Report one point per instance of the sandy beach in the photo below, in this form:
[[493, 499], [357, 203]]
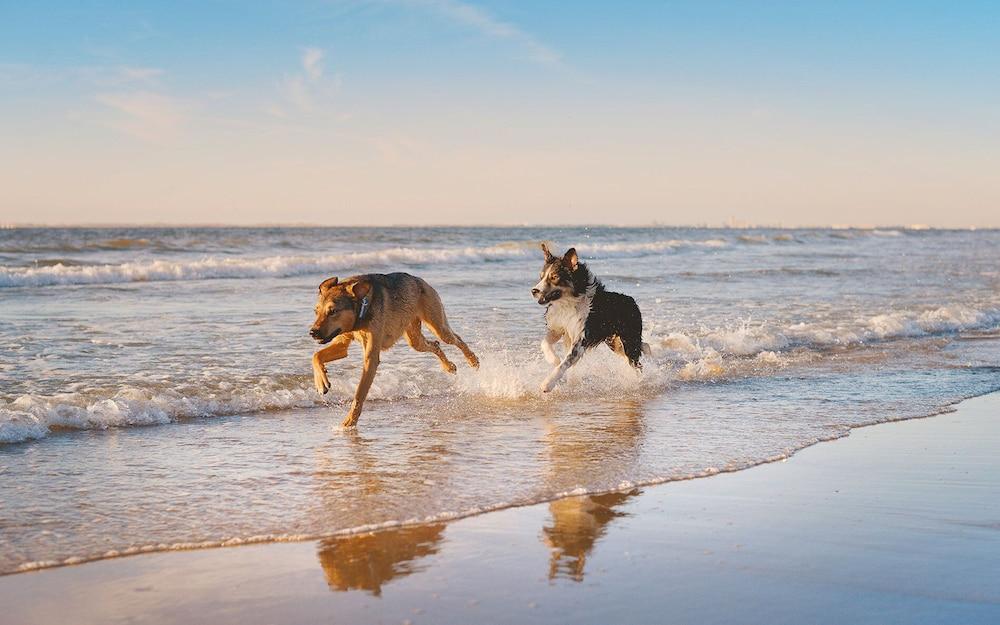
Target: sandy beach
[[896, 523]]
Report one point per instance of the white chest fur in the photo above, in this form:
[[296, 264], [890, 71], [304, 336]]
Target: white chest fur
[[569, 315]]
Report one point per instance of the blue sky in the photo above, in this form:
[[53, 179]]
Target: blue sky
[[444, 111]]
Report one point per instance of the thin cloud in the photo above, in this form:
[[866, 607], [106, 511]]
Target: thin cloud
[[298, 93], [145, 115], [307, 90], [312, 62], [483, 21], [95, 75], [139, 74]]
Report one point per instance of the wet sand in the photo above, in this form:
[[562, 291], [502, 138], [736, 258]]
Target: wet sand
[[897, 523]]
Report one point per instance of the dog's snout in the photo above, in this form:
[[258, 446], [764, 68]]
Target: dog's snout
[[314, 332], [535, 292]]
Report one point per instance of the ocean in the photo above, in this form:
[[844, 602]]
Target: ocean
[[156, 390]]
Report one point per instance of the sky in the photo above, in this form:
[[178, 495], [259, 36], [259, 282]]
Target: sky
[[543, 112]]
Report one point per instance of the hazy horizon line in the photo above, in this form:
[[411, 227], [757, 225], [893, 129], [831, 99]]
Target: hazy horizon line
[[702, 226]]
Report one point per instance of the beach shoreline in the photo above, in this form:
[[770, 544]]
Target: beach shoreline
[[451, 517], [786, 541]]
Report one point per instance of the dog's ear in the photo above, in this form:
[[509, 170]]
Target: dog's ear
[[570, 259], [548, 255], [326, 284], [359, 289]]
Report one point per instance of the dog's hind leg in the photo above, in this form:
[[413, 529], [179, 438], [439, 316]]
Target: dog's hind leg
[[447, 335], [632, 349], [629, 352], [336, 350], [615, 343], [418, 342], [432, 313]]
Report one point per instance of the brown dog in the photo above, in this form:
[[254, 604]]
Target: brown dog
[[377, 309]]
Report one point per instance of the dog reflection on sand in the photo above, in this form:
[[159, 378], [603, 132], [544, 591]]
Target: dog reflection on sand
[[368, 561], [577, 524], [371, 560], [581, 444]]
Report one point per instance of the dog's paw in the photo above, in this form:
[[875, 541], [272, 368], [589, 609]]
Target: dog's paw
[[548, 385], [449, 367], [350, 421], [473, 361], [321, 380]]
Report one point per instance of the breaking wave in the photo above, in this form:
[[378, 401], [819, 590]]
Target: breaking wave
[[31, 417], [729, 352], [78, 246], [747, 339], [284, 266], [502, 376]]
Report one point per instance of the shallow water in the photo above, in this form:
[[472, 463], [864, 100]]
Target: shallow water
[[763, 341], [814, 540]]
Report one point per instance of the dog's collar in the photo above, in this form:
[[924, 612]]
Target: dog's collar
[[362, 312]]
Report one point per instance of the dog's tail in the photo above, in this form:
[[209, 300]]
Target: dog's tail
[[646, 349]]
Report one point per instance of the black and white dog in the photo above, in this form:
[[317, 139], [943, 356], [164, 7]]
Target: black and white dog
[[583, 314]]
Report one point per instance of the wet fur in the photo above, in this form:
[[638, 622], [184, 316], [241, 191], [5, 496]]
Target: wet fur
[[398, 304], [583, 314]]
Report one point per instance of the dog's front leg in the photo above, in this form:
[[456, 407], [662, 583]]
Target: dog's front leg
[[334, 351], [551, 337], [574, 355], [367, 375]]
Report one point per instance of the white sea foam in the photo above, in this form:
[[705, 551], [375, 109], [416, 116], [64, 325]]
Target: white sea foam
[[31, 417], [747, 339], [709, 354], [758, 239], [502, 376], [283, 266], [748, 349]]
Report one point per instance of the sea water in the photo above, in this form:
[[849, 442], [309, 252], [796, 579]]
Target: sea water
[[156, 390]]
